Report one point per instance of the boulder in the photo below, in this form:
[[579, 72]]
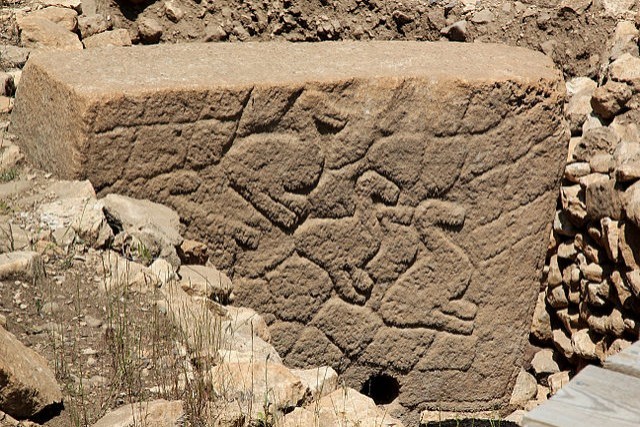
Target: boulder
[[28, 384], [330, 217], [40, 33]]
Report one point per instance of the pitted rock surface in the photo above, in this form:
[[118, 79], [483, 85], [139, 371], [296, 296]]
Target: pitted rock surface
[[386, 204]]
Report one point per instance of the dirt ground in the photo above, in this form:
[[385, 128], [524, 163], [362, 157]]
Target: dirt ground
[[574, 37]]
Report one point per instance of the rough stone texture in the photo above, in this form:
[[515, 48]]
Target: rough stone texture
[[157, 413], [108, 38], [27, 384], [386, 205]]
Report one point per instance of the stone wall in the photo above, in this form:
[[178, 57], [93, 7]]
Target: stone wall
[[588, 306], [385, 205]]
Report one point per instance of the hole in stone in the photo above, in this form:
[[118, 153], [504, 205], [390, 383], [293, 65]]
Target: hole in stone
[[382, 388]]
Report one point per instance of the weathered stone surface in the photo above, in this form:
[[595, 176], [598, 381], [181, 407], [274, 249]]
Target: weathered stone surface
[[205, 281], [41, 33], [156, 413], [357, 203], [579, 91], [343, 407], [27, 384], [157, 227], [319, 381], [92, 24], [118, 37], [544, 362], [65, 17], [254, 383], [75, 214], [525, 389], [23, 265], [610, 99]]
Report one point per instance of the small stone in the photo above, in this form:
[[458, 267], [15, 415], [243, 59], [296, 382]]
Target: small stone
[[172, 11], [21, 265], [193, 252], [50, 308], [617, 346], [574, 171], [65, 17], [118, 37], [624, 40], [569, 320], [41, 33], [584, 345], [483, 17], [563, 343], [92, 322], [573, 143], [71, 4], [544, 362], [603, 200], [525, 388], [629, 244], [14, 56], [631, 201], [625, 69], [456, 32], [6, 104], [576, 6], [541, 326], [155, 226], [633, 279], [623, 291], [205, 281], [592, 122], [214, 33], [602, 163], [618, 8], [557, 381], [154, 413], [592, 272], [557, 298], [578, 106], [149, 30], [93, 24], [610, 99], [319, 381], [516, 416], [567, 250], [593, 178], [562, 225], [600, 140]]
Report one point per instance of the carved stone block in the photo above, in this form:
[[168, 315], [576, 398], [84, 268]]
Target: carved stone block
[[386, 204]]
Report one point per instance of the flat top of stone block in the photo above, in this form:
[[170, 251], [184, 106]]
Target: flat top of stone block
[[196, 65]]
